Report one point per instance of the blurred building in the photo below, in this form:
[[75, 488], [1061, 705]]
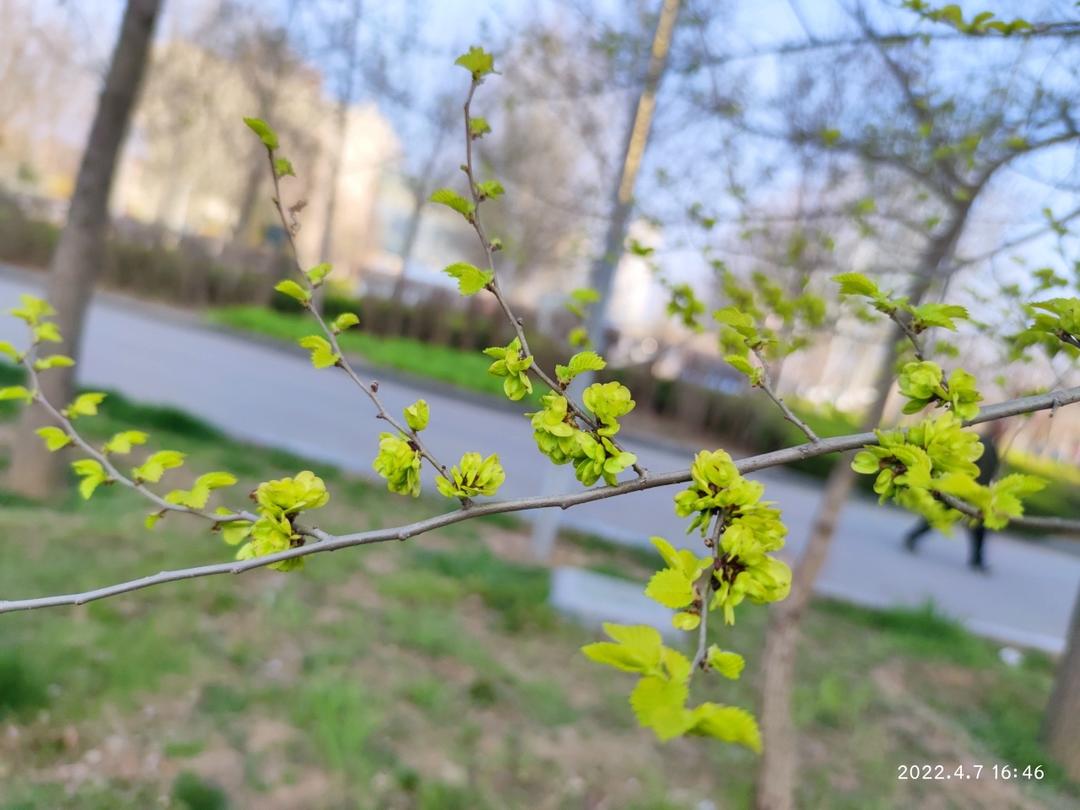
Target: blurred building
[[193, 167]]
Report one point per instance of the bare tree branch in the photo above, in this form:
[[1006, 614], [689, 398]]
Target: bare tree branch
[[839, 444]]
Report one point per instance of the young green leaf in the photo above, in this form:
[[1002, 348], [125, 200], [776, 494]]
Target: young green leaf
[[293, 290], [579, 364], [728, 664], [46, 332], [84, 405], [123, 442], [10, 351], [940, 315], [17, 392], [53, 361], [856, 284], [343, 322], [264, 131], [479, 127], [317, 274], [490, 188], [417, 415], [477, 61], [670, 588], [92, 475], [155, 466], [322, 353], [283, 167], [33, 309], [474, 475], [54, 437], [470, 279], [451, 199], [199, 494]]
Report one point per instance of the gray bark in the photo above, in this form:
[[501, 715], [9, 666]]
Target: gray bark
[[76, 264]]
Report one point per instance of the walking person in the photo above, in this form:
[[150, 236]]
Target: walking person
[[988, 464]]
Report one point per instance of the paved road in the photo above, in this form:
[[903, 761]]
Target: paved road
[[262, 394]]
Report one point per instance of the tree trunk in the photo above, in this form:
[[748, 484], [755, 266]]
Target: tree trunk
[[412, 230], [250, 197], [326, 241], [602, 272], [777, 772], [1061, 726], [77, 261]]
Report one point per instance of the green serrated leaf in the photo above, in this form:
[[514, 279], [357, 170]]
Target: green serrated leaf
[[54, 437], [579, 364], [322, 353], [470, 279], [477, 61], [84, 405], [92, 475], [123, 442], [451, 199], [856, 284], [728, 664], [671, 588], [155, 466]]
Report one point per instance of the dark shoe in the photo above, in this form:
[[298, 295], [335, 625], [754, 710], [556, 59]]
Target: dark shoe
[[979, 568], [909, 544]]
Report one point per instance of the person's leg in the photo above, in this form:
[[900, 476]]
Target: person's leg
[[978, 540], [912, 537]]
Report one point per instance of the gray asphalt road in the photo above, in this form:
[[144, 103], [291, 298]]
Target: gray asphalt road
[[264, 395]]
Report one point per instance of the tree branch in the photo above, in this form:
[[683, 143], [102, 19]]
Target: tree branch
[[767, 386], [369, 389], [839, 444], [496, 290]]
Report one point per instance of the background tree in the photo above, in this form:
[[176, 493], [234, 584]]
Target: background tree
[[78, 256]]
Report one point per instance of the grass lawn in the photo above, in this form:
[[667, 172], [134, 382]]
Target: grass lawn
[[467, 370], [431, 675]]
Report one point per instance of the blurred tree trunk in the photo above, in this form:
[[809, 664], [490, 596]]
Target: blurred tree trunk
[[337, 159], [419, 187], [412, 230], [341, 133], [777, 771], [77, 260], [251, 194], [602, 272], [1061, 726]]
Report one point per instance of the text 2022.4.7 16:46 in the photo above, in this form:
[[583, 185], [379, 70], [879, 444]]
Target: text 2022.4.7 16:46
[[943, 772]]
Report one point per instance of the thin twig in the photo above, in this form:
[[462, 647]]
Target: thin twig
[[838, 444], [767, 386], [371, 388], [114, 474], [515, 321], [705, 590]]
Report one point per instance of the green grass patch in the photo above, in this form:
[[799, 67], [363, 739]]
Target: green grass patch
[[192, 792], [22, 688], [922, 632], [426, 674], [465, 370], [518, 593]]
